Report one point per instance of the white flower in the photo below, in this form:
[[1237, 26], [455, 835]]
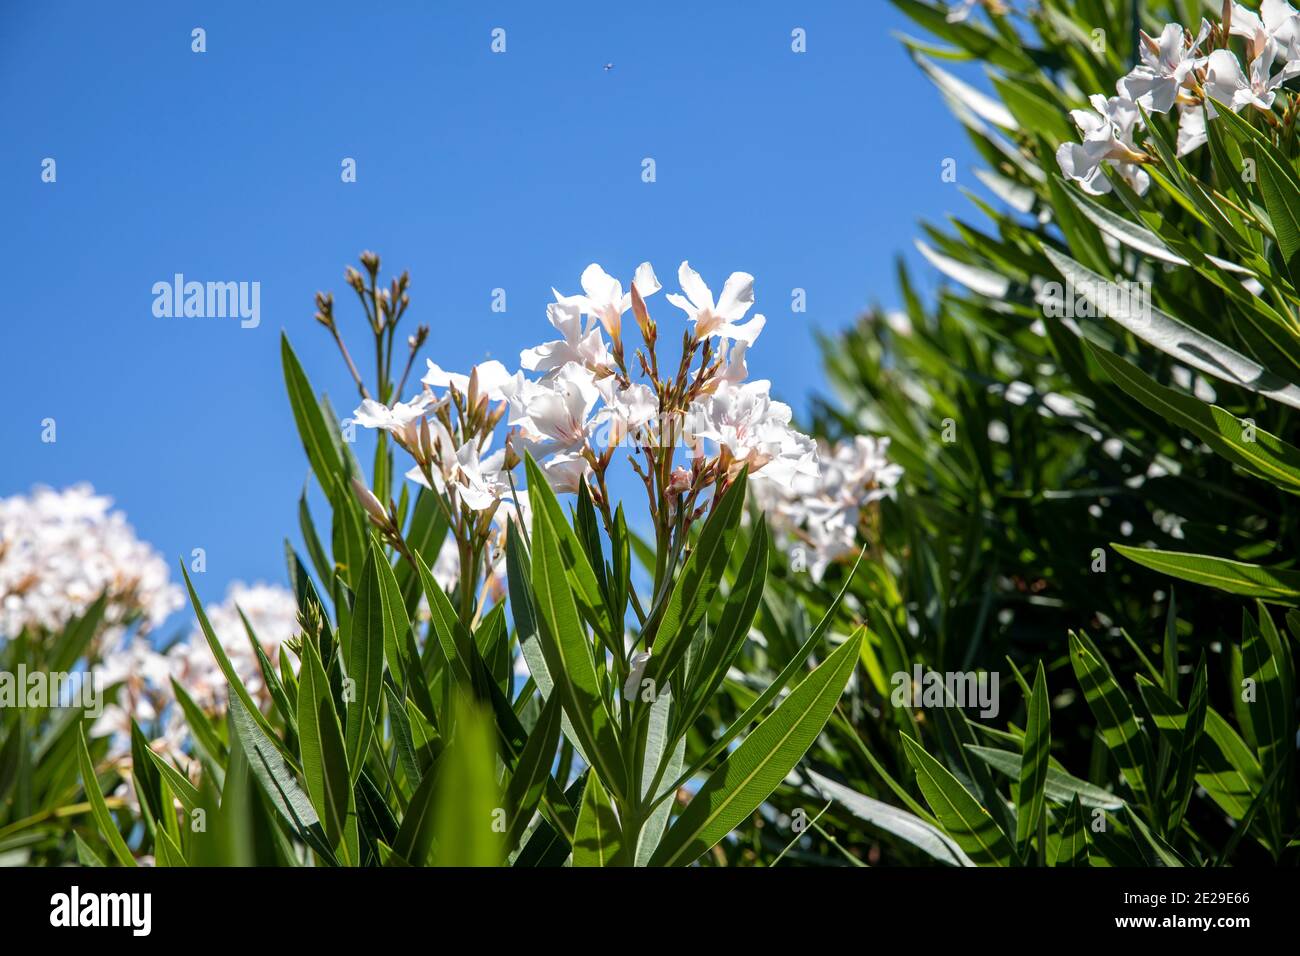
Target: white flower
[[718, 318], [755, 430], [479, 482], [1276, 20], [60, 550], [1107, 137], [626, 411], [585, 347], [1166, 68], [632, 686], [1191, 128], [555, 413], [605, 300], [398, 419], [491, 377], [1226, 83], [564, 473], [823, 511]]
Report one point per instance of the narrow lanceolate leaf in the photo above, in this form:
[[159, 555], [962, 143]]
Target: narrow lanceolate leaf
[[1264, 673], [324, 760], [228, 669], [1189, 747], [1033, 768], [1231, 775], [1174, 337], [1114, 715], [98, 807], [599, 840], [1254, 449], [906, 826], [724, 642], [958, 812], [373, 625], [753, 770], [587, 594], [696, 585], [1058, 786], [316, 437], [1275, 585], [1279, 186], [468, 823], [415, 836], [450, 633], [568, 655], [1073, 848], [532, 770], [278, 781], [1136, 237]]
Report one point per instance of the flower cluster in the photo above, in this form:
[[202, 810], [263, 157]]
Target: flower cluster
[[60, 550], [821, 517], [1188, 73], [579, 398]]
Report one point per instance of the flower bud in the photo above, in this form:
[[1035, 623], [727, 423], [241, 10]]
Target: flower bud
[[370, 503]]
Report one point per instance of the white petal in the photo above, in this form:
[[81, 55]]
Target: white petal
[[737, 296], [694, 287]]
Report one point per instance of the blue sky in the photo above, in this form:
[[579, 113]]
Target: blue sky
[[475, 171]]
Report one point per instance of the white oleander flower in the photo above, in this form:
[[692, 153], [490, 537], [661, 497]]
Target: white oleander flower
[[717, 318], [491, 378], [754, 430], [60, 550], [1166, 69], [555, 414], [1226, 83], [1277, 20], [583, 346], [604, 299], [1107, 138]]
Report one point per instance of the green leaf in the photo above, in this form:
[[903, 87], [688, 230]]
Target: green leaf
[[696, 585], [1236, 577], [452, 637], [568, 654], [960, 814], [1059, 786], [753, 770], [599, 839], [586, 591], [467, 829], [324, 758], [1174, 337], [532, 770], [374, 627], [1114, 714], [278, 780], [1263, 454], [227, 669], [723, 643], [906, 826], [1073, 848], [1232, 775], [415, 836], [317, 438], [98, 807], [1280, 188], [1037, 747]]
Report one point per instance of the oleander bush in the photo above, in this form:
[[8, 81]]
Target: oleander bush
[[1022, 594]]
